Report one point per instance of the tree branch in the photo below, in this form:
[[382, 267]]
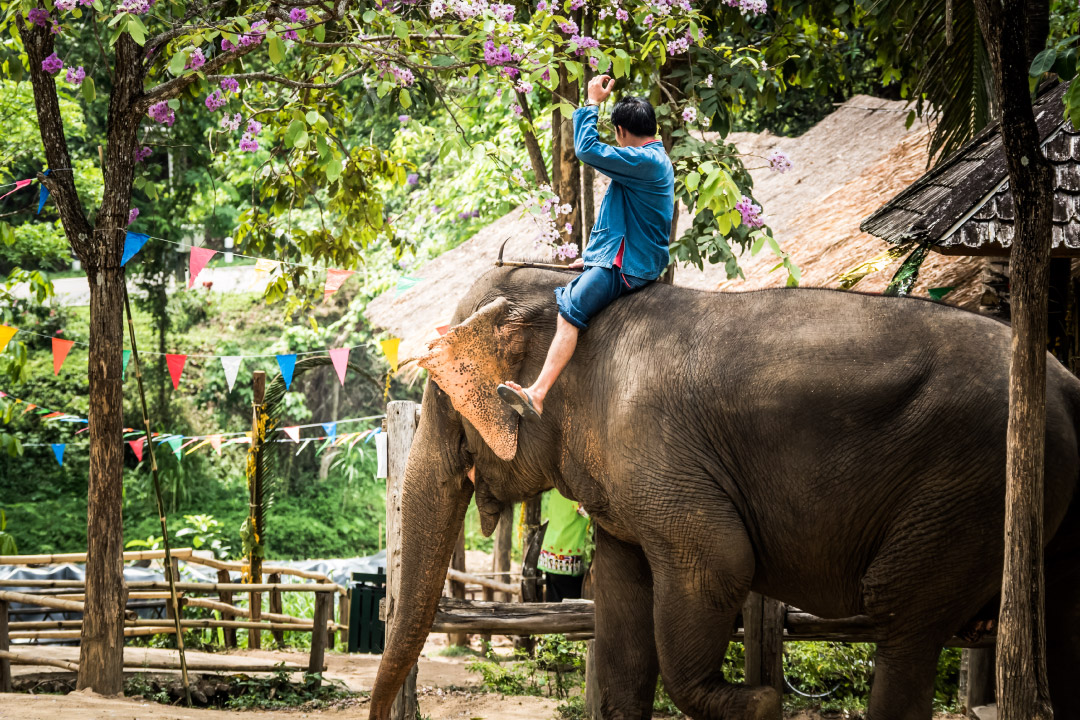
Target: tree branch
[[39, 45], [280, 80]]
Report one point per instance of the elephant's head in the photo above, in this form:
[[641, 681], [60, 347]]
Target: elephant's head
[[460, 410]]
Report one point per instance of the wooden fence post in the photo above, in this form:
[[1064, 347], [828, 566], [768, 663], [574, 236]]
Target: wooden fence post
[[457, 588], [763, 640], [344, 603], [323, 602], [275, 607], [504, 539], [226, 597], [401, 421], [5, 644]]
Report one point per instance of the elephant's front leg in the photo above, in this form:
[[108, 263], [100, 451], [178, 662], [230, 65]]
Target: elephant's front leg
[[702, 564], [624, 652]]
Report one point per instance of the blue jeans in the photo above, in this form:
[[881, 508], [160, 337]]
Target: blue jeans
[[592, 291]]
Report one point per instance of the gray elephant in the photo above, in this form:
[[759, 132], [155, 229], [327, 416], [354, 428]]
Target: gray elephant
[[843, 453]]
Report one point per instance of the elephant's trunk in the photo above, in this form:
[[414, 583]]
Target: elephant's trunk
[[434, 499]]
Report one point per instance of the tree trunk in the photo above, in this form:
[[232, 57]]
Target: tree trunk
[[1021, 641], [536, 155], [568, 175]]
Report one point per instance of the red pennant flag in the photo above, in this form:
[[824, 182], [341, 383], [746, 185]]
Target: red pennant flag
[[215, 442], [197, 261], [340, 358], [60, 349], [137, 447], [442, 329], [29, 407], [334, 279], [293, 432], [176, 368]]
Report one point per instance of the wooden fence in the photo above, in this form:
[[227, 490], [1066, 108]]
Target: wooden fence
[[763, 627]]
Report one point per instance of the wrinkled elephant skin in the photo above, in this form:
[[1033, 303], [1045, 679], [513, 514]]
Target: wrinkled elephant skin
[[843, 453]]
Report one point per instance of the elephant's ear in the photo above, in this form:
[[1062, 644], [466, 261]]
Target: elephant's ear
[[469, 362]]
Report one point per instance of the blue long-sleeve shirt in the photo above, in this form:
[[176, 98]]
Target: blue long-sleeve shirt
[[638, 205]]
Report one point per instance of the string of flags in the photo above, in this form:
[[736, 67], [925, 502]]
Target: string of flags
[[43, 193]]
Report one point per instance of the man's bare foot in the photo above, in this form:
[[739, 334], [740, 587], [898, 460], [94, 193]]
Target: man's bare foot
[[536, 398]]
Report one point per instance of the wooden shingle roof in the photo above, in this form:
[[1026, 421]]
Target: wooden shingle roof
[[963, 206]]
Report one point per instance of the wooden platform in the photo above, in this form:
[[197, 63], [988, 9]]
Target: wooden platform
[[139, 658]]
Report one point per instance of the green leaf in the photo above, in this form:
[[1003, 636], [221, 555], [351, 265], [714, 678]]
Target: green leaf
[[401, 30], [1072, 104], [1043, 62], [939, 292], [174, 104], [404, 99], [758, 244], [301, 140], [692, 180], [333, 169], [320, 32], [277, 50], [137, 30], [369, 16], [293, 131], [312, 117], [88, 90], [179, 60]]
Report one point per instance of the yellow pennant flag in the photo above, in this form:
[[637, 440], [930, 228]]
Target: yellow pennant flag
[[6, 333], [196, 447], [390, 350], [262, 268]]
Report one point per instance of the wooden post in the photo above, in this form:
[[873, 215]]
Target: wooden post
[[258, 430], [401, 421], [592, 683], [172, 570], [5, 644], [763, 639], [275, 607], [457, 588], [344, 603], [226, 597], [531, 589], [323, 602], [504, 539], [977, 678]]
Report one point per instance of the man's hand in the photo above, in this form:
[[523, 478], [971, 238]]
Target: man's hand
[[600, 88], [579, 263]]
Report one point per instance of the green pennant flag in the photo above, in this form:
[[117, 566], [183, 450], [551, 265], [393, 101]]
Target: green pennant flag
[[175, 443], [904, 279], [123, 373]]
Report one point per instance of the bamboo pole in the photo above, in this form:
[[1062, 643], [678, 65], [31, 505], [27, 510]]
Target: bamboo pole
[[171, 564], [196, 587], [53, 603], [495, 585], [255, 499], [23, 659], [226, 609], [5, 665], [148, 595], [58, 559], [266, 569], [75, 634]]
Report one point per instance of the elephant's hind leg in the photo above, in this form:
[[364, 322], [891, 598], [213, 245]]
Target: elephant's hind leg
[[1063, 641], [625, 652], [703, 564]]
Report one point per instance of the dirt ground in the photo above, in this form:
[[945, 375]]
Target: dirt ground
[[447, 690]]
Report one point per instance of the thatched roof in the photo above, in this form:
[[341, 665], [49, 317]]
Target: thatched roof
[[963, 206], [845, 166]]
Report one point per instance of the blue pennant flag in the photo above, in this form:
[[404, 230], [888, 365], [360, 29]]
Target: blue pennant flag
[[287, 363], [133, 243], [376, 432], [58, 451], [331, 430], [41, 203]]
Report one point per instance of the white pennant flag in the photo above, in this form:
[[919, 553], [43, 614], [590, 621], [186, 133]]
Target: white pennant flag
[[231, 365]]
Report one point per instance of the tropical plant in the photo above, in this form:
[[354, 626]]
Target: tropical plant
[[7, 540]]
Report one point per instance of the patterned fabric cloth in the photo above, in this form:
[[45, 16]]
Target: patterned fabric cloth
[[563, 551]]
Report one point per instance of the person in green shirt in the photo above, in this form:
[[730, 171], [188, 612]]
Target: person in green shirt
[[562, 556]]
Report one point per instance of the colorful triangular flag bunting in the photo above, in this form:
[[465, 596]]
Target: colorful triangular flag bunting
[[58, 451], [42, 197], [175, 442], [340, 358], [19, 185], [127, 357], [231, 365], [390, 350], [287, 363], [293, 431], [442, 329], [60, 350], [137, 446], [334, 279], [197, 261], [176, 368], [133, 243], [331, 430], [215, 442], [6, 333], [406, 283]]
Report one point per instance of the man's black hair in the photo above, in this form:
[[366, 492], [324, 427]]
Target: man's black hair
[[635, 116]]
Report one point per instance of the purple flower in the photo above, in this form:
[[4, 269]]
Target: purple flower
[[413, 179], [195, 60], [143, 153], [751, 213], [709, 81], [162, 113], [132, 214], [75, 77], [524, 87], [65, 5], [678, 46], [541, 6], [779, 161], [518, 110], [256, 36], [231, 124], [511, 72], [584, 42], [52, 64], [230, 85], [751, 7], [647, 22], [569, 228], [138, 7], [227, 46], [298, 15], [403, 119], [248, 143], [404, 76], [546, 77], [689, 115], [566, 251], [577, 4], [38, 16], [569, 27], [505, 11], [594, 62], [254, 127], [290, 35], [621, 15], [215, 101]]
